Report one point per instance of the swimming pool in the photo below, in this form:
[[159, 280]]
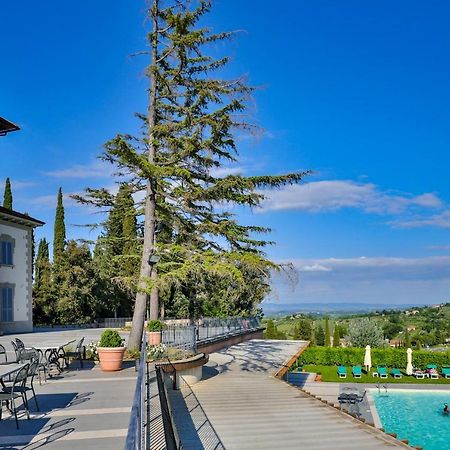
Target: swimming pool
[[416, 415]]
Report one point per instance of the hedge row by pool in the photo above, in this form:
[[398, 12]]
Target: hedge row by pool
[[330, 356]]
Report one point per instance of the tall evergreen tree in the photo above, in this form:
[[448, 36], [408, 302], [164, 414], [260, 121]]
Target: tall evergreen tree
[[59, 239], [327, 332], [319, 335], [7, 196], [44, 300], [407, 339], [336, 336], [190, 127]]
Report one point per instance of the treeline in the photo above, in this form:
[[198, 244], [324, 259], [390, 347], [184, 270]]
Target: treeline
[[81, 282]]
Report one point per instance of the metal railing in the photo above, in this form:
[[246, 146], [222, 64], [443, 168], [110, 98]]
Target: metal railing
[[172, 439], [186, 337], [209, 328], [138, 436]]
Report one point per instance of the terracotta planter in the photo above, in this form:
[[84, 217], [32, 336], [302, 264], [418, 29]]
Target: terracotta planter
[[154, 337], [318, 377], [110, 358]]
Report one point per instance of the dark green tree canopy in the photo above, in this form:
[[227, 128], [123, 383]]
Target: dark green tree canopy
[[59, 240]]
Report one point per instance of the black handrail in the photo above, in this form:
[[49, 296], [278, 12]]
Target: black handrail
[[137, 436]]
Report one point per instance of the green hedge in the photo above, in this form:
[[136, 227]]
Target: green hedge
[[330, 356]]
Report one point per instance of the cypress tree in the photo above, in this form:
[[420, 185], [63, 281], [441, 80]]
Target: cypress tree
[[7, 196], [407, 339], [327, 332], [59, 237], [44, 304], [319, 335], [336, 337]]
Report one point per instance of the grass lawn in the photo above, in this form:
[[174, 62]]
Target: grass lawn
[[329, 373]]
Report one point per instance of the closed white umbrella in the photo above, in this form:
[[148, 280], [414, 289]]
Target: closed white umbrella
[[409, 367], [367, 358]]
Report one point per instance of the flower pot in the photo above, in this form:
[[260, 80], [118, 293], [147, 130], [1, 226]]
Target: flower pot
[[318, 377], [110, 358], [154, 337]]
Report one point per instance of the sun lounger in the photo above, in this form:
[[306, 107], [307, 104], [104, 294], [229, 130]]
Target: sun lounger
[[381, 372], [396, 373], [356, 371], [342, 372], [446, 372], [432, 371], [419, 374]]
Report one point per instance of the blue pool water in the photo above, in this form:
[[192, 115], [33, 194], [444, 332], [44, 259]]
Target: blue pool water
[[416, 416]]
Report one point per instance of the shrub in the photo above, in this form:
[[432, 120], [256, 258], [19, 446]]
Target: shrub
[[365, 332], [155, 325], [323, 356], [110, 338]]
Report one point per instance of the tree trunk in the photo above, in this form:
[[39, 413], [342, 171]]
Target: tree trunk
[[154, 298], [150, 211]]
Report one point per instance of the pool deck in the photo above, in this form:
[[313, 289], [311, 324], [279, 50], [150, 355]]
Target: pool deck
[[241, 405], [84, 408]]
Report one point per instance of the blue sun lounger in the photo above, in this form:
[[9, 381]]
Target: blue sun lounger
[[396, 373], [342, 372], [381, 372], [446, 372], [356, 371]]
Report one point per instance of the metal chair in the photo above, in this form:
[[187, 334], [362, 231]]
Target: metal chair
[[19, 343], [31, 356], [9, 395], [79, 353], [16, 350], [3, 354]]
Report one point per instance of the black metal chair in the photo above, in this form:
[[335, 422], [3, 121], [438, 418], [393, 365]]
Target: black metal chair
[[31, 357], [79, 353], [3, 355], [19, 343], [16, 350], [10, 394]]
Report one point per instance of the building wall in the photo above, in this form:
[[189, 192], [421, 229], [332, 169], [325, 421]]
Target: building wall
[[20, 276]]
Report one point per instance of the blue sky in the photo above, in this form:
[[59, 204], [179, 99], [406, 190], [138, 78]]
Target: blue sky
[[356, 91]]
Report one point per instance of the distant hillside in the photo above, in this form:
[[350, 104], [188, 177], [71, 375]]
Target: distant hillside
[[283, 309]]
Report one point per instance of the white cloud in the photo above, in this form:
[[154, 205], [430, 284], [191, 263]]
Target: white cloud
[[333, 195], [225, 171], [369, 280], [96, 169], [441, 220]]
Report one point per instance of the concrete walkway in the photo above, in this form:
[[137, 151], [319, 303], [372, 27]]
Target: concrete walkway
[[240, 405], [84, 408]]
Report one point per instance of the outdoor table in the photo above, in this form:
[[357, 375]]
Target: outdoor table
[[51, 353]]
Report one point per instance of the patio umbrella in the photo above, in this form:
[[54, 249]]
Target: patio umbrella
[[409, 367], [367, 358]]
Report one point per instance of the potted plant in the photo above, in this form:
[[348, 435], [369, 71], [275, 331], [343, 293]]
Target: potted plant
[[154, 328], [110, 351], [318, 376]]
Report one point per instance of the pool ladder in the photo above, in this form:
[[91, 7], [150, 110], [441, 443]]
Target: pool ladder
[[379, 387]]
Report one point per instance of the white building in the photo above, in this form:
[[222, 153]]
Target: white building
[[16, 275]]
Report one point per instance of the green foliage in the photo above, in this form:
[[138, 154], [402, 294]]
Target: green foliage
[[327, 332], [391, 357], [319, 335], [303, 330], [7, 196], [391, 329], [272, 332], [407, 339], [155, 325], [59, 239], [210, 263], [44, 299], [336, 337], [80, 296], [110, 338], [364, 332]]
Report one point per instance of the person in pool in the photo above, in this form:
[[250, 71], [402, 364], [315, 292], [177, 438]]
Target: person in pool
[[446, 410]]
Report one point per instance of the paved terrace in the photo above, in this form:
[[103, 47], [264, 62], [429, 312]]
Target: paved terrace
[[240, 405], [79, 409]]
